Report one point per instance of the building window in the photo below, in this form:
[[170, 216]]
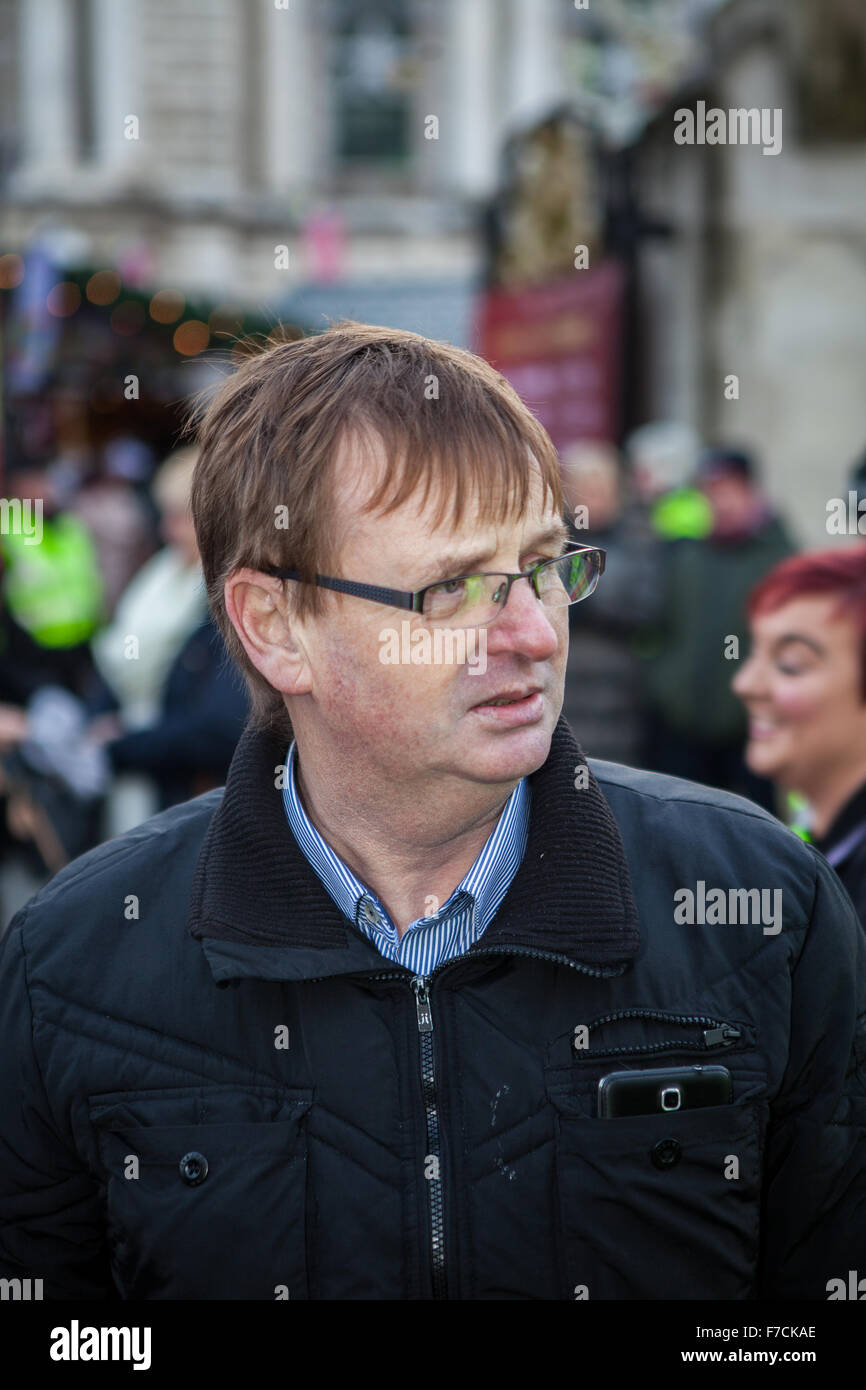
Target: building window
[[84, 79], [372, 69]]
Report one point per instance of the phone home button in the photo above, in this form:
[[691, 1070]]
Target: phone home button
[[667, 1153]]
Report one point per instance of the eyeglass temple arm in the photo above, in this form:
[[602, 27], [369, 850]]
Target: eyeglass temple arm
[[396, 598]]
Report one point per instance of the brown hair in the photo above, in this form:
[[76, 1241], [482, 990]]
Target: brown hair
[[269, 436]]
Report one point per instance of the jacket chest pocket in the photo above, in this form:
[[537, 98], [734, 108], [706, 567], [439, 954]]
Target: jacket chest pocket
[[660, 1206], [663, 1205], [206, 1191]]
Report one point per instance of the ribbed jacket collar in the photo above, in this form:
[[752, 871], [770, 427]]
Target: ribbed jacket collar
[[259, 908]]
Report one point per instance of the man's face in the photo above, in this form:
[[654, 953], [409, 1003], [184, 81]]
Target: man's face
[[732, 499], [427, 723]]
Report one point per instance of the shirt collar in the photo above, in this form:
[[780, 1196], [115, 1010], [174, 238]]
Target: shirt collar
[[484, 885], [261, 911]]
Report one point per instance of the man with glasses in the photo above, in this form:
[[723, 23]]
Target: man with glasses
[[422, 1005]]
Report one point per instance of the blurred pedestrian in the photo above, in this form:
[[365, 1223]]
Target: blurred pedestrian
[[804, 687], [187, 748], [697, 726], [604, 701], [116, 516], [52, 586], [662, 457], [159, 611]]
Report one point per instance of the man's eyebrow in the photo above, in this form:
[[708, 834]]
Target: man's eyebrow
[[457, 563]]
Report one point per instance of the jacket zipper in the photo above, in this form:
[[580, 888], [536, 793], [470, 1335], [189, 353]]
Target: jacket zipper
[[421, 986], [433, 1158], [716, 1032]]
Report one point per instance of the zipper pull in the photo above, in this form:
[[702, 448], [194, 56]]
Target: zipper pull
[[421, 987], [721, 1037]]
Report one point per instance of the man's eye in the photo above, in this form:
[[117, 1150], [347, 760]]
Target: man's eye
[[449, 586]]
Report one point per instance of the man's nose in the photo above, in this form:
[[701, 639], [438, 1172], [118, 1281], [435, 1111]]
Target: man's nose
[[524, 624]]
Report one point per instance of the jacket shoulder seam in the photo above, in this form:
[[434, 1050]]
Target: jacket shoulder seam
[[105, 856], [764, 816]]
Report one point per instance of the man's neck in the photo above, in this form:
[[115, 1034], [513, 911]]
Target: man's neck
[[410, 858]]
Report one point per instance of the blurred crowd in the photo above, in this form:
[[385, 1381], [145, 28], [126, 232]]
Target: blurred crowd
[[711, 650], [688, 532], [117, 698]]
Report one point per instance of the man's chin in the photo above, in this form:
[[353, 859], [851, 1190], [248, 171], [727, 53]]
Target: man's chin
[[500, 755]]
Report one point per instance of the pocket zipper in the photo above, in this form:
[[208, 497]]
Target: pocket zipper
[[716, 1033]]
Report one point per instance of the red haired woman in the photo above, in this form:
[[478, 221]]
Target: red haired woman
[[804, 687]]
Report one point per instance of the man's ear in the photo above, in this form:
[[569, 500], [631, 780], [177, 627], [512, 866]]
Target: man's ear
[[260, 614]]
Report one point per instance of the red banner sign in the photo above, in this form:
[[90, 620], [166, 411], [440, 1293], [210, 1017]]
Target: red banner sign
[[560, 346]]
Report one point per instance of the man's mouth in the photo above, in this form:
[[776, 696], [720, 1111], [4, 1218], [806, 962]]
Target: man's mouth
[[513, 707], [511, 697]]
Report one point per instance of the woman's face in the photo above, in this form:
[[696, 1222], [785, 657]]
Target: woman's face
[[801, 688]]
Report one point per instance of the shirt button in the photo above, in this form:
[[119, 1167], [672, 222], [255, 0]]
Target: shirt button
[[369, 913]]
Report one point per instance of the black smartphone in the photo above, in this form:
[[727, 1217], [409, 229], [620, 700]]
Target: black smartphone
[[662, 1090]]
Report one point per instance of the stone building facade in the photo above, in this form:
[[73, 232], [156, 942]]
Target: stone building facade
[[254, 115], [761, 273]]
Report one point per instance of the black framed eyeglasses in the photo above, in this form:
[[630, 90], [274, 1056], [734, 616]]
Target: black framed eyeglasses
[[475, 600]]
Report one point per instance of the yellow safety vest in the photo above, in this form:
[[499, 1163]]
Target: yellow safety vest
[[54, 589]]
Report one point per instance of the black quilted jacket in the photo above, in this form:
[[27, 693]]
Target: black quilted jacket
[[213, 1086]]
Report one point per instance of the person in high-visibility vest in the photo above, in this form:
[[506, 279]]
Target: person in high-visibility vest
[[662, 457], [52, 583]]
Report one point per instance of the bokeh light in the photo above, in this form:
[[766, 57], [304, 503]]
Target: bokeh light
[[191, 337], [63, 299], [103, 287], [11, 271], [167, 306]]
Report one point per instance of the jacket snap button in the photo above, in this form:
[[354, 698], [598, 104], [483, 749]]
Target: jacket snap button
[[667, 1153], [193, 1168]]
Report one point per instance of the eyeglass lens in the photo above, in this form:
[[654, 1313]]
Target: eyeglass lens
[[476, 599]]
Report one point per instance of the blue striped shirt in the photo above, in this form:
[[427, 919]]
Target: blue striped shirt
[[448, 931]]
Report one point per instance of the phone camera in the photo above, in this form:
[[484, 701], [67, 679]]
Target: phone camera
[[672, 1098]]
